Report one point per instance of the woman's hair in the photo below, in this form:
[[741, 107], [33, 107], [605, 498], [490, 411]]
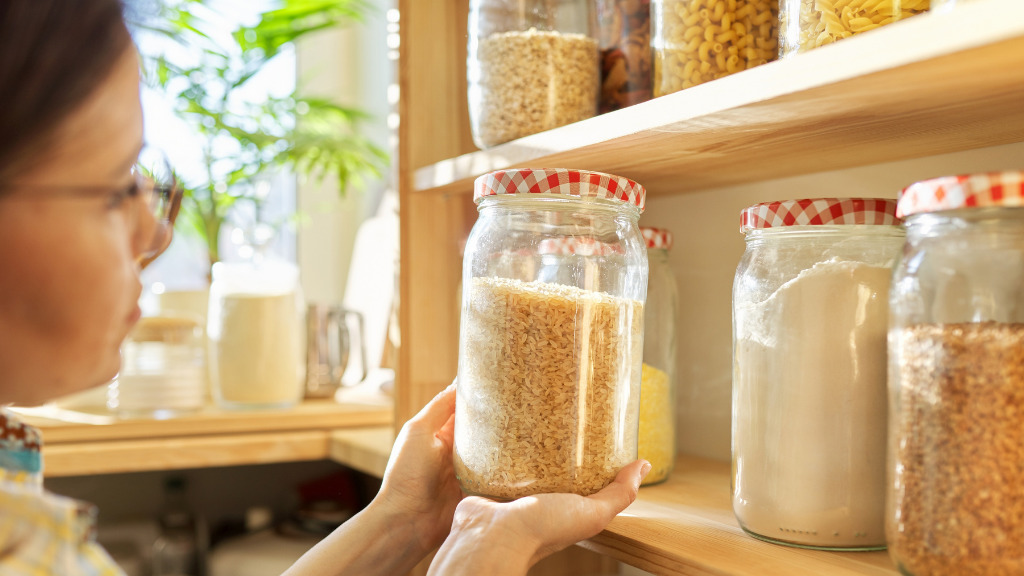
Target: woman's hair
[[53, 55]]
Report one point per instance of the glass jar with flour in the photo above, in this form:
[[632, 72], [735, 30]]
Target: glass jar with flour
[[255, 331], [810, 316]]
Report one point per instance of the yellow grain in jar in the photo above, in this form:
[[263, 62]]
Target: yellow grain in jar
[[656, 430]]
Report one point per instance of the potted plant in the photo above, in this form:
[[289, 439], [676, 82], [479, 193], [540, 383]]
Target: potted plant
[[244, 141]]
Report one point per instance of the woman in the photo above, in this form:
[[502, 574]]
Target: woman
[[76, 224]]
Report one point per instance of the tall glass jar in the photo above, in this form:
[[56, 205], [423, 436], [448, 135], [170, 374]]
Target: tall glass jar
[[810, 314], [658, 384], [532, 65], [255, 328], [807, 24], [549, 366], [956, 353], [696, 41]]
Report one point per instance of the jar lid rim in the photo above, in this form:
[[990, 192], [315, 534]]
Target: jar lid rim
[[560, 181], [659, 238], [963, 191], [820, 212]]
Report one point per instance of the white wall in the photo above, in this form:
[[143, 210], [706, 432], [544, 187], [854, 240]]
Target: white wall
[[351, 67], [708, 246]]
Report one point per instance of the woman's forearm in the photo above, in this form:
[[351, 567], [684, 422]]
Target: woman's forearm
[[479, 546], [375, 541]]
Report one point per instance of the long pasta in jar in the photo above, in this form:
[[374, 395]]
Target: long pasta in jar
[[808, 24], [696, 41]]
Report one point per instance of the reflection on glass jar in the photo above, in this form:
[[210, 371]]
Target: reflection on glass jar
[[810, 314]]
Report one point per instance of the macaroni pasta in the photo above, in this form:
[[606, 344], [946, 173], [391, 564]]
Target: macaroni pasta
[[696, 41]]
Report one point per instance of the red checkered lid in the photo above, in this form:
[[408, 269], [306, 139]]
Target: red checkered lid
[[580, 246], [657, 238], [819, 212], [966, 191], [581, 183]]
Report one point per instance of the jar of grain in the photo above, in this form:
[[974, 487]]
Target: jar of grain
[[810, 314], [956, 353], [696, 41], [550, 364], [532, 65], [807, 24], [657, 387]]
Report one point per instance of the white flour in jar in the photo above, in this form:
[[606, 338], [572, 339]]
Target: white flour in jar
[[255, 350], [810, 364]]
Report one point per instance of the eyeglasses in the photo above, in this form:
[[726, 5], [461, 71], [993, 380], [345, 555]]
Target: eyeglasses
[[153, 180], [154, 176]]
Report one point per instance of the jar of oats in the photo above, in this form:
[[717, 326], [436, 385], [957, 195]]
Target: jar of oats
[[956, 353], [696, 41], [807, 24], [532, 65], [810, 315], [550, 360]]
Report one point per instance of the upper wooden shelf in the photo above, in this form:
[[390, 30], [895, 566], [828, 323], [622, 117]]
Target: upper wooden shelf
[[686, 526], [932, 84], [78, 443]]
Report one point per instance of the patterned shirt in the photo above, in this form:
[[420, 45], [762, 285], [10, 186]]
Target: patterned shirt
[[42, 534]]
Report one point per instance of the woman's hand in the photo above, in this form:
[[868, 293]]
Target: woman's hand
[[501, 538], [419, 483], [411, 514]]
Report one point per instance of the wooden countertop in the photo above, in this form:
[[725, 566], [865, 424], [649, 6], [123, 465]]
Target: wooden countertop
[[80, 443]]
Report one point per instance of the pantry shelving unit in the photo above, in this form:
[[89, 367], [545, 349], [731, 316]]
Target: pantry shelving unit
[[933, 84]]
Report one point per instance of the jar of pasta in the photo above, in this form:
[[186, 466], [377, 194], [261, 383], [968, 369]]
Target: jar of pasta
[[532, 65], [657, 384], [808, 24], [956, 378], [810, 315], [695, 41], [550, 361]]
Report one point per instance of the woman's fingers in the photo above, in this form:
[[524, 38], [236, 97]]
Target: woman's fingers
[[615, 497], [436, 413]]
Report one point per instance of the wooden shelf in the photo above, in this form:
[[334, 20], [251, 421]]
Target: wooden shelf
[[686, 526], [363, 449], [78, 443], [935, 83]]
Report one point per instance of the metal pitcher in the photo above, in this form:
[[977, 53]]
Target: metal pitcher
[[328, 347]]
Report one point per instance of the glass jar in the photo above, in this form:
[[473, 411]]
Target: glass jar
[[625, 42], [162, 369], [549, 367], [532, 65], [810, 314], [807, 24], [256, 335], [657, 386], [696, 41], [956, 353]]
